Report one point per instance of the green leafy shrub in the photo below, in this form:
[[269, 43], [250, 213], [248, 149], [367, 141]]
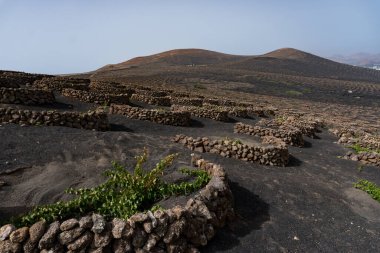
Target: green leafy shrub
[[121, 195], [369, 187], [293, 93], [359, 149], [199, 86]]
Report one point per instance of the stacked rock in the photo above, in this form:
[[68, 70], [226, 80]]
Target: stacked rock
[[58, 83], [291, 136], [91, 120], [13, 79], [186, 101], [175, 230], [109, 87], [371, 158], [174, 118], [201, 112], [26, 96], [264, 154], [159, 101], [97, 98]]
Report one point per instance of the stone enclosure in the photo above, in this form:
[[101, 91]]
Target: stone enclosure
[[91, 120], [179, 229], [174, 118], [26, 96], [275, 155]]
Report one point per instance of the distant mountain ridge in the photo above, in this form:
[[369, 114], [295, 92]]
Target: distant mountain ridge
[[285, 61], [358, 59]]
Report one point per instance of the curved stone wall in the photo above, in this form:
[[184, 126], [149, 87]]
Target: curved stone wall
[[371, 158], [201, 112], [14, 79], [97, 98], [186, 101], [26, 96], [233, 111], [173, 118], [180, 229], [58, 83], [109, 87], [159, 101], [90, 120], [263, 154], [289, 136]]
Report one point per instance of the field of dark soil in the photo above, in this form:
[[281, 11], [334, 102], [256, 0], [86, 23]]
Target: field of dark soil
[[308, 206]]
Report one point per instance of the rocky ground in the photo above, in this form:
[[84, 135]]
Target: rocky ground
[[308, 206]]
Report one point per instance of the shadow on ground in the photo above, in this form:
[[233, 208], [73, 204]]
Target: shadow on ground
[[251, 212]]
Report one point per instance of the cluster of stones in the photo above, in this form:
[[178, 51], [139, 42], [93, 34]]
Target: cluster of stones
[[109, 87], [288, 135], [26, 96], [177, 230], [92, 120], [349, 137], [202, 112], [353, 136], [174, 118], [186, 101], [233, 111], [307, 126], [97, 98], [159, 101], [372, 158], [58, 83], [13, 79], [274, 155]]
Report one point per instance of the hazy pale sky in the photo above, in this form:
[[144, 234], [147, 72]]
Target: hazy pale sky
[[52, 36]]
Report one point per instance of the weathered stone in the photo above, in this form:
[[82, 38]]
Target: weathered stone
[[99, 223], [139, 238], [37, 230], [175, 230], [81, 242], [69, 224], [122, 246], [118, 227], [19, 235], [6, 246], [102, 239], [5, 231], [48, 238], [66, 237], [86, 222]]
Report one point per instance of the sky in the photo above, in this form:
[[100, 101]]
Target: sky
[[72, 36]]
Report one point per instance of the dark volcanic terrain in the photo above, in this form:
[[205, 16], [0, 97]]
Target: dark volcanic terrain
[[310, 205]]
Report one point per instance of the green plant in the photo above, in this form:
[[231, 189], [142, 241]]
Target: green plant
[[359, 149], [369, 187], [121, 195], [293, 93]]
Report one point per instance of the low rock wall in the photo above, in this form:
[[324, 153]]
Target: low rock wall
[[26, 96], [97, 98], [180, 229], [201, 112], [90, 120], [152, 93], [186, 101], [109, 87], [233, 111], [160, 101], [263, 154], [364, 157], [58, 83], [13, 79], [289, 136], [173, 118]]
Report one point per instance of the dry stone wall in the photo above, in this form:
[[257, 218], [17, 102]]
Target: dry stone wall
[[109, 87], [233, 111], [173, 118], [97, 98], [289, 136], [13, 79], [58, 83], [26, 96], [159, 101], [91, 120], [370, 158], [186, 101], [180, 229], [263, 154], [201, 112]]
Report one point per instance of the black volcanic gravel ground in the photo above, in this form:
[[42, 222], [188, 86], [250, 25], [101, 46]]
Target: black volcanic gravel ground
[[309, 206]]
